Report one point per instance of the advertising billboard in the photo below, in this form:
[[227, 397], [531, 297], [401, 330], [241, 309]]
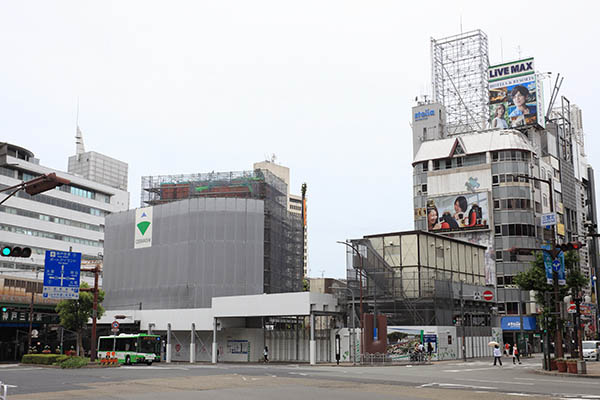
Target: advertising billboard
[[143, 228], [515, 100], [454, 213]]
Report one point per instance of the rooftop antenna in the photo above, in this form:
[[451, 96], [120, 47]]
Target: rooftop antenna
[[79, 148]]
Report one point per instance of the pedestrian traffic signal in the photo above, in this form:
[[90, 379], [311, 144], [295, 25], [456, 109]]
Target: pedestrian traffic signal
[[4, 309], [16, 251], [576, 245]]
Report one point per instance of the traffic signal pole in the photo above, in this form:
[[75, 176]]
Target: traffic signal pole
[[95, 290]]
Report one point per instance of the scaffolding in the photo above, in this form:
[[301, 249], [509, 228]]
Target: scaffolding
[[283, 251], [459, 76]]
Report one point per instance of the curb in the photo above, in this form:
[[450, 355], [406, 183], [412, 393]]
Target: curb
[[552, 373]]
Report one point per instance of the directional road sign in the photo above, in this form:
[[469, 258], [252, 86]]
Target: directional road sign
[[62, 271], [548, 219], [556, 265]]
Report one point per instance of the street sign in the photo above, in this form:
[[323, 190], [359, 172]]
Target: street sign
[[572, 309], [62, 271], [548, 219], [115, 325], [488, 295], [556, 265], [476, 296]]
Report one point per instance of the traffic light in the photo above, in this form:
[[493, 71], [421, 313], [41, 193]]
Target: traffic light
[[4, 309], [16, 251], [576, 245]]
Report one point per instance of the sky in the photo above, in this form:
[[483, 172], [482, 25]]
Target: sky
[[177, 87]]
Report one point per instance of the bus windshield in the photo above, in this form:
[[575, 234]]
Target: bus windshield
[[150, 344]]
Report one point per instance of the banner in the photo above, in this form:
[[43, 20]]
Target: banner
[[462, 212], [143, 228], [552, 265], [515, 100]]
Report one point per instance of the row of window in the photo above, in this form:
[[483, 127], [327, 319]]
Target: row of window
[[512, 204], [49, 218], [42, 198], [519, 255], [510, 155], [49, 235], [455, 162], [507, 178], [88, 194], [514, 230]]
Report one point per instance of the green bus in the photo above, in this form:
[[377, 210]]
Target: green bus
[[131, 348]]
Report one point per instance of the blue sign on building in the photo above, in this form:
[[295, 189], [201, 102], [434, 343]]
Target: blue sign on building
[[514, 323], [62, 271]]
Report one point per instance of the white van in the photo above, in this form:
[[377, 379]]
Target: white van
[[591, 350]]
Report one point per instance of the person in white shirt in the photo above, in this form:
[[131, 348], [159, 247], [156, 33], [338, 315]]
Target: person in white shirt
[[497, 355]]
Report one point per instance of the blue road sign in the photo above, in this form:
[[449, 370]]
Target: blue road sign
[[62, 271], [556, 265]]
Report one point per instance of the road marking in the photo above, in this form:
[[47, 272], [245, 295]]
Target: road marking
[[140, 368], [244, 378], [558, 380], [457, 385], [8, 365], [297, 373], [520, 394], [505, 382]]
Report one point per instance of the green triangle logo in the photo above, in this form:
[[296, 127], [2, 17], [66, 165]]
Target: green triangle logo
[[143, 227]]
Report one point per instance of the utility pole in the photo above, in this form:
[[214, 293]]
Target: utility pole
[[95, 290], [558, 343]]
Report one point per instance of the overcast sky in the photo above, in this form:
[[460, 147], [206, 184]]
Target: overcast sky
[[327, 86]]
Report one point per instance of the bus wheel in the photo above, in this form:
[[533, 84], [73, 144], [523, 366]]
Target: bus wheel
[[149, 362], [127, 360]]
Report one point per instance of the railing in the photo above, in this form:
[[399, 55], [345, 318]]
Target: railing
[[385, 359]]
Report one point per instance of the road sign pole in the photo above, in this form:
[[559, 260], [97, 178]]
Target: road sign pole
[[96, 271]]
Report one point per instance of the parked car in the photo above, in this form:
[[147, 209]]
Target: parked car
[[591, 350]]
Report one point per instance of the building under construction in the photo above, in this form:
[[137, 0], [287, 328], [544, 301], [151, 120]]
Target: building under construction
[[283, 252], [419, 278]]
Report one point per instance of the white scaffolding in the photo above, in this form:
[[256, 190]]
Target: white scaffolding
[[459, 68]]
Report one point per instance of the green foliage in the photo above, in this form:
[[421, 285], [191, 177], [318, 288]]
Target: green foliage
[[305, 285], [44, 359], [74, 314], [535, 279], [75, 362]]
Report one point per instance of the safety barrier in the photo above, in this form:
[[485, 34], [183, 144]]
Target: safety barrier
[[110, 359], [3, 391]]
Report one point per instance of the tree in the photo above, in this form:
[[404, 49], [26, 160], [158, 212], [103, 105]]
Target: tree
[[535, 279], [75, 314]]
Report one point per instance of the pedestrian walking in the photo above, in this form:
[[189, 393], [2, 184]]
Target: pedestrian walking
[[266, 354], [516, 354], [497, 355], [429, 350], [507, 349]]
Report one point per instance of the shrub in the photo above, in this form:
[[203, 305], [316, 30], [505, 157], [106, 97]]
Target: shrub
[[45, 359], [74, 362]]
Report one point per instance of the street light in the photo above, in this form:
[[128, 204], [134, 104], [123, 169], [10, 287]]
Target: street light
[[355, 249], [353, 341], [559, 338]]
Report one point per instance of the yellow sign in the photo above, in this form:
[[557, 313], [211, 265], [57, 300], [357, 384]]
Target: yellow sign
[[560, 228]]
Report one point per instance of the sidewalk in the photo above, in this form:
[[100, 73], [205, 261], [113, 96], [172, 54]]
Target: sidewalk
[[593, 371]]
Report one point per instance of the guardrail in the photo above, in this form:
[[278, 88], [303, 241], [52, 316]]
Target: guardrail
[[385, 359]]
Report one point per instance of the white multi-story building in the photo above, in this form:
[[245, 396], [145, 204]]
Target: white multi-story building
[[70, 217]]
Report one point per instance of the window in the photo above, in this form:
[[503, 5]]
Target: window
[[545, 200], [425, 165], [500, 281], [502, 178], [496, 204], [436, 165], [498, 255], [449, 163], [459, 162], [494, 156], [494, 179], [424, 188], [498, 229]]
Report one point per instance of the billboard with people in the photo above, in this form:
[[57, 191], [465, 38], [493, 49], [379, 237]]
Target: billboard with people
[[515, 99], [469, 211]]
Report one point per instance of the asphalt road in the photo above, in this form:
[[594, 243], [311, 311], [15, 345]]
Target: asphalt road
[[296, 381]]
